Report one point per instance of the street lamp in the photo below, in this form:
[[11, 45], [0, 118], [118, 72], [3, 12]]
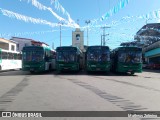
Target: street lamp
[[87, 22], [60, 24]]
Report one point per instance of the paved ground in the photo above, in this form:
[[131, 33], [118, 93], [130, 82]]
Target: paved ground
[[22, 91]]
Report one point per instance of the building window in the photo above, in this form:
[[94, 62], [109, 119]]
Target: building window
[[17, 46], [12, 47]]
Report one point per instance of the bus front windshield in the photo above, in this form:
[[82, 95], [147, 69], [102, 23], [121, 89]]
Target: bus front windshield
[[98, 55], [130, 56], [66, 56], [36, 56]]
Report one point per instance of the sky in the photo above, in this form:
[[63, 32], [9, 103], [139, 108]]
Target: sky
[[46, 18]]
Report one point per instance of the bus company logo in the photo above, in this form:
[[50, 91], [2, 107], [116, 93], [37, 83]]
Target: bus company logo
[[6, 114]]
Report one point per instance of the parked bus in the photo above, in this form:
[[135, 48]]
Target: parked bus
[[68, 58], [127, 59], [98, 58], [38, 59], [10, 60]]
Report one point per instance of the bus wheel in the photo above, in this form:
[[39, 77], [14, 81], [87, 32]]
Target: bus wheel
[[132, 73]]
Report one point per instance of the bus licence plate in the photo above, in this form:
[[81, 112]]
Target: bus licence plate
[[31, 69], [98, 69]]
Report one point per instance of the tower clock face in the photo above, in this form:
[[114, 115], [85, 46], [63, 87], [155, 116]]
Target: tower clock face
[[77, 36]]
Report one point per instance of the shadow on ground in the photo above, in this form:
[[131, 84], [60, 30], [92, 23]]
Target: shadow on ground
[[83, 72], [151, 70]]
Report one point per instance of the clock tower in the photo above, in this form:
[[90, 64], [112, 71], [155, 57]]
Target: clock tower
[[78, 39]]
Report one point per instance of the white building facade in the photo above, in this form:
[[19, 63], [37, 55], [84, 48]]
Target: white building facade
[[22, 42], [8, 45]]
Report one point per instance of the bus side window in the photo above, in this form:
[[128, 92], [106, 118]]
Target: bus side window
[[10, 56], [19, 56], [46, 56], [14, 56], [4, 55]]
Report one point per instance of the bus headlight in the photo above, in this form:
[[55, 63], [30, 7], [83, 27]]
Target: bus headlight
[[26, 65], [93, 65], [125, 66], [107, 66], [61, 65]]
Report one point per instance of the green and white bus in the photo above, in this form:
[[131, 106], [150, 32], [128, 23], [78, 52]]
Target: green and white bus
[[98, 58], [68, 58], [38, 59], [10, 60], [127, 59]]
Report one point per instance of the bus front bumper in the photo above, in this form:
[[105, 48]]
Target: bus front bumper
[[69, 67], [98, 68], [33, 68], [130, 68]]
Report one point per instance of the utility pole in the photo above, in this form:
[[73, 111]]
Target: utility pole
[[103, 41], [87, 22], [60, 35]]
